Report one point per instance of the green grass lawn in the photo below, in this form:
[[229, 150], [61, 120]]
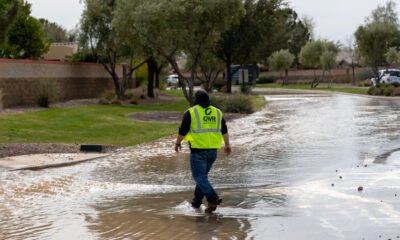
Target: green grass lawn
[[87, 124], [100, 124], [321, 87]]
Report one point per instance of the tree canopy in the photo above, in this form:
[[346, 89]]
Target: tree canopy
[[53, 32], [379, 33], [281, 60], [8, 12], [25, 38]]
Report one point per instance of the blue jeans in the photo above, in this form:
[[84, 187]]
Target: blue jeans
[[200, 165]]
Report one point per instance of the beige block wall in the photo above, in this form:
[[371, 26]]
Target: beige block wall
[[20, 80]]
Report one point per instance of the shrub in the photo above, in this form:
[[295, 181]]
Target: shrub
[[266, 79], [364, 83], [108, 97], [46, 93], [138, 93], [238, 104], [388, 90], [375, 91], [217, 102], [1, 98], [396, 92], [245, 88]]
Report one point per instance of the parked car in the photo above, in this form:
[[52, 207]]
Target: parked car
[[172, 80], [387, 76]]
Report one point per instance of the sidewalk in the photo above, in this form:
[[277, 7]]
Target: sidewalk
[[47, 160]]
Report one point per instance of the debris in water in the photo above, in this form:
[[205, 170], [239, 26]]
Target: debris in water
[[340, 177], [332, 185], [365, 165], [360, 188]]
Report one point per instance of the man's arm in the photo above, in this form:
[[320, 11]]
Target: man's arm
[[178, 145], [227, 148], [184, 128]]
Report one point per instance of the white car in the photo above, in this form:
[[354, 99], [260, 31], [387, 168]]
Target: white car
[[387, 76], [172, 79]]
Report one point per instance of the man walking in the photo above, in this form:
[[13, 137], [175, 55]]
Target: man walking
[[204, 128]]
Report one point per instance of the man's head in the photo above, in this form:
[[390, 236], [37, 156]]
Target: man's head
[[202, 98]]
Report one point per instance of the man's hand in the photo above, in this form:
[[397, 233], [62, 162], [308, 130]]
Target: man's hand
[[227, 150], [178, 147]]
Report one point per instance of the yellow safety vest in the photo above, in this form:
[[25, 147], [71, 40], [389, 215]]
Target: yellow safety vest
[[205, 128]]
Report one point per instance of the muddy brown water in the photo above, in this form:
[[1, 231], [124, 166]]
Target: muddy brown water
[[294, 174]]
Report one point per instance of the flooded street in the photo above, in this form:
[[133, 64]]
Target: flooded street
[[294, 174]]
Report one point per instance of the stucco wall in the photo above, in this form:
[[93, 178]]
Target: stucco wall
[[21, 80]]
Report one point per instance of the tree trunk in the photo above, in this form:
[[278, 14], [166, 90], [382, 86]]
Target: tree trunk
[[353, 73], [286, 77], [152, 66], [111, 70], [315, 82], [228, 77], [158, 71]]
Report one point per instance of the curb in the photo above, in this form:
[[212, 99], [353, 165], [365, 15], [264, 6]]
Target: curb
[[20, 166]]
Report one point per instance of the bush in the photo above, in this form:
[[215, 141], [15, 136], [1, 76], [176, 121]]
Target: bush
[[396, 92], [1, 98], [364, 83], [388, 90], [137, 93], [217, 102], [266, 79], [375, 91], [46, 93], [238, 104], [245, 88], [109, 97]]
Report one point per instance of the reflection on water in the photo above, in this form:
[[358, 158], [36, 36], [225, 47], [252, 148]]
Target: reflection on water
[[294, 174]]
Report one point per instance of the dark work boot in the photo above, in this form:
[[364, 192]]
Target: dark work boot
[[212, 206]]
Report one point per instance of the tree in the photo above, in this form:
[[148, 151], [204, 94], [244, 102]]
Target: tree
[[374, 40], [99, 35], [350, 48], [386, 14], [299, 36], [8, 12], [380, 32], [25, 38], [266, 27], [309, 23], [173, 27], [328, 62], [310, 56], [393, 57], [126, 32], [53, 32], [210, 68], [281, 60]]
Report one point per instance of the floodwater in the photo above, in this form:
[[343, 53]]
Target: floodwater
[[294, 174]]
